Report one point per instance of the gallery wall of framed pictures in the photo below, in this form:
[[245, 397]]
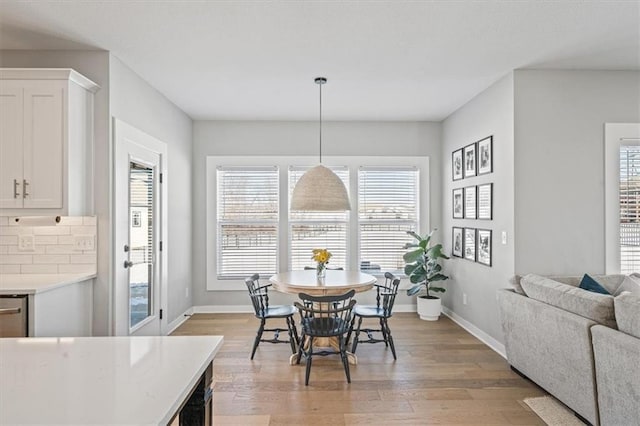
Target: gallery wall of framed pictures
[[473, 202]]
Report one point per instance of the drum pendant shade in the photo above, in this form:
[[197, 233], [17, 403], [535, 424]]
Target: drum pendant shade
[[319, 189]]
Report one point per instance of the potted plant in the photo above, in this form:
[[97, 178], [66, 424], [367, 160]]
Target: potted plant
[[423, 269]]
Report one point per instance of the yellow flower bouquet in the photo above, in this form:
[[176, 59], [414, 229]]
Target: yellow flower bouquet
[[321, 257]]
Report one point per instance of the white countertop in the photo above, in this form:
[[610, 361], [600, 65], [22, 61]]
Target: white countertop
[[100, 380], [37, 283]]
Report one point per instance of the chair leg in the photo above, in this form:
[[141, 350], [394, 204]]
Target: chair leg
[[295, 331], [357, 336], [258, 337], [309, 357], [390, 338], [353, 321], [292, 339], [300, 348], [384, 332], [345, 360]]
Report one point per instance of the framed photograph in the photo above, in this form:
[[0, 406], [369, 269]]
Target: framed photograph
[[484, 246], [469, 154], [485, 201], [470, 202], [485, 156], [456, 164], [470, 244], [458, 203], [457, 242]]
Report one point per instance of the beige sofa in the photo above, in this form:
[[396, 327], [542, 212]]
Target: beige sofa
[[549, 325]]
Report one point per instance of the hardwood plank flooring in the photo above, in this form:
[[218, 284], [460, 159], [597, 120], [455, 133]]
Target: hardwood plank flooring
[[443, 375]]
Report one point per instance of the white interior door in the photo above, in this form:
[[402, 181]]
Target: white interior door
[[140, 224]]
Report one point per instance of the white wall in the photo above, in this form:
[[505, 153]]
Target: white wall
[[489, 113], [559, 165], [299, 139], [137, 103], [95, 66]]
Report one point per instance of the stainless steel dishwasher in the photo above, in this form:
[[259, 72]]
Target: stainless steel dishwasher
[[13, 315]]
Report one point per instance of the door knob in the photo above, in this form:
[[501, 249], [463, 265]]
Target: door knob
[[128, 264]]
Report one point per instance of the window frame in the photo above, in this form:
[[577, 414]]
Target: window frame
[[283, 163], [614, 134]]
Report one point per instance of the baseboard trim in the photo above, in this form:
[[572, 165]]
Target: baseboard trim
[[481, 335], [221, 309], [173, 325]]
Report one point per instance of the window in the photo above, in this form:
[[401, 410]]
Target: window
[[629, 191], [251, 229], [387, 208], [309, 230], [247, 221], [622, 198]]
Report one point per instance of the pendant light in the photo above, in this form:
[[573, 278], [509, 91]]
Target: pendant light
[[320, 189]]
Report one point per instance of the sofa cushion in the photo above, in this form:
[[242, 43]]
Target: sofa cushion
[[515, 283], [630, 284], [590, 284], [627, 309], [610, 282], [594, 306]]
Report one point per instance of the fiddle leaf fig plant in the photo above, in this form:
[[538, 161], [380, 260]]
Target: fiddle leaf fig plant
[[423, 264]]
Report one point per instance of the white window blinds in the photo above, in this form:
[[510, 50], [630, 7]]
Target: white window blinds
[[388, 201], [629, 209], [310, 230], [247, 221]]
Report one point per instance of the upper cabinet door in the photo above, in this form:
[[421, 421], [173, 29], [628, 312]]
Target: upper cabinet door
[[44, 136], [11, 152]]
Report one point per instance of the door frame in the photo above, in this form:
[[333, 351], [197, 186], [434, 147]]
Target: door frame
[[120, 314]]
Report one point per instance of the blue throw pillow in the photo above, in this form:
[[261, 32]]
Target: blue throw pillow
[[590, 284]]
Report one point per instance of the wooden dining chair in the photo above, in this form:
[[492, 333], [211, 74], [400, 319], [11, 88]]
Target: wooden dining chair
[[385, 297], [324, 317], [260, 301]]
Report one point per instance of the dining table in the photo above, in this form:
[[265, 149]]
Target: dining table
[[334, 282]]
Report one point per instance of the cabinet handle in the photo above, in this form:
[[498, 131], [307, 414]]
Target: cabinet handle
[[16, 184], [9, 311], [25, 194]]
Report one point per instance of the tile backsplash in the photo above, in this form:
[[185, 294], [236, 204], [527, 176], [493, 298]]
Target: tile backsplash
[[66, 247]]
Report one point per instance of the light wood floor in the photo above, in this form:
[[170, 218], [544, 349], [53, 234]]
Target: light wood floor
[[443, 375]]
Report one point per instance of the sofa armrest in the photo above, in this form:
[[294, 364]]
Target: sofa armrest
[[617, 360], [553, 348]]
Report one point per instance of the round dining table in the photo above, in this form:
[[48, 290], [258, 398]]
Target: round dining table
[[335, 282]]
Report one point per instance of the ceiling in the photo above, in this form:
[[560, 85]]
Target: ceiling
[[385, 60]]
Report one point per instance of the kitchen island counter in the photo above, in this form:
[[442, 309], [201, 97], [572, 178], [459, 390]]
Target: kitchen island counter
[[105, 380]]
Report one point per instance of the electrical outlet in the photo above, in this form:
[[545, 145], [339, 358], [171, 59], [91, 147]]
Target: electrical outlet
[[186, 292], [464, 298], [25, 243], [84, 242], [504, 237]]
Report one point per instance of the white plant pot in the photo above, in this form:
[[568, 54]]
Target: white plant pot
[[429, 309]]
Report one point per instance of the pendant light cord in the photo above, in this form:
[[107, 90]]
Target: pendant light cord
[[320, 122]]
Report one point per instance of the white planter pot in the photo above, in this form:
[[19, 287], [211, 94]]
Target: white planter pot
[[429, 309]]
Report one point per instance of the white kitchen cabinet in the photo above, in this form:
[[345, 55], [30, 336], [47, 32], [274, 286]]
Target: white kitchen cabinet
[[46, 141]]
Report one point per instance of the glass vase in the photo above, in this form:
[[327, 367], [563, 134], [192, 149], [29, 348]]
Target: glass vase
[[321, 270]]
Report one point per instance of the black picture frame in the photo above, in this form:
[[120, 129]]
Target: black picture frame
[[457, 241], [470, 244], [485, 156], [471, 202], [483, 247], [457, 172], [458, 203], [485, 201], [469, 158]]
